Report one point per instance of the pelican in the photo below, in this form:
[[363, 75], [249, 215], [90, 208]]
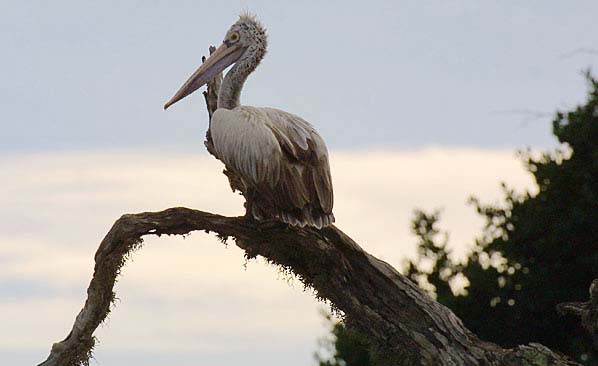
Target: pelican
[[278, 160]]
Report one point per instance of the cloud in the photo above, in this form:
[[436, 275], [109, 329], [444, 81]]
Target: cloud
[[195, 294]]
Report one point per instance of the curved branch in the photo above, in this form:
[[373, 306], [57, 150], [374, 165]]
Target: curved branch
[[405, 325], [124, 237]]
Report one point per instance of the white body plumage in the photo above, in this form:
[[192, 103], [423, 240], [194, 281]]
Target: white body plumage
[[281, 157]]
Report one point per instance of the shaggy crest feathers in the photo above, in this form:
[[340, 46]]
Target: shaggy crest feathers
[[253, 25], [247, 16]]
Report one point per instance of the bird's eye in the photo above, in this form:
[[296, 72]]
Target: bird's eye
[[234, 37]]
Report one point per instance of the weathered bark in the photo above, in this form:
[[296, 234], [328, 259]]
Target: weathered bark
[[403, 324], [211, 95]]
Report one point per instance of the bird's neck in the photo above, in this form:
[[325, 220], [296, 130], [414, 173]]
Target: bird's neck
[[229, 96]]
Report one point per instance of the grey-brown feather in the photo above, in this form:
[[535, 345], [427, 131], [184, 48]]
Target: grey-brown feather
[[281, 158]]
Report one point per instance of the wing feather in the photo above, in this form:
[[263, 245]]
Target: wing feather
[[283, 154], [302, 145]]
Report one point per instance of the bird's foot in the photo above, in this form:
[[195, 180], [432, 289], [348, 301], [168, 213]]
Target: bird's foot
[[267, 224], [271, 224], [250, 219]]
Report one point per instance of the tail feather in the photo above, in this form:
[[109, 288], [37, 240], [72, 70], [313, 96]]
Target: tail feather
[[263, 210], [319, 221]]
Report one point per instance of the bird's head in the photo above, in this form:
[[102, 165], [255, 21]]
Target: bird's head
[[246, 38]]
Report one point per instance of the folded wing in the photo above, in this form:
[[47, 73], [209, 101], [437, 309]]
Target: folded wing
[[281, 158]]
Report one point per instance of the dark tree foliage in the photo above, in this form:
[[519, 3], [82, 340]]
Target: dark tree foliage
[[431, 248], [536, 250], [348, 348]]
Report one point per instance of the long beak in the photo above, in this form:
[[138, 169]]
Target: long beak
[[223, 57]]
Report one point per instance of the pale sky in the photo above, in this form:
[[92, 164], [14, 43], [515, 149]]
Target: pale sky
[[85, 75], [414, 99]]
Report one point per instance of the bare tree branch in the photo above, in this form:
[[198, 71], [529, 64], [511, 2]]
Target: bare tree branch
[[404, 324], [579, 51], [211, 95], [527, 115]]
